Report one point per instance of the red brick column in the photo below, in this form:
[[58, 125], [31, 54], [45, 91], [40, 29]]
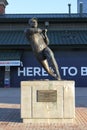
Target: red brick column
[[2, 9]]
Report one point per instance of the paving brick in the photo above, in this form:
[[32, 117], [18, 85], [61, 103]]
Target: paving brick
[[10, 112], [10, 120]]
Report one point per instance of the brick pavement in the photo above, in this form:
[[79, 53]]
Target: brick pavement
[[10, 112], [10, 120]]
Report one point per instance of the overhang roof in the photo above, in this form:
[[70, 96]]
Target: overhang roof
[[62, 37], [9, 55], [47, 15], [12, 38], [52, 17]]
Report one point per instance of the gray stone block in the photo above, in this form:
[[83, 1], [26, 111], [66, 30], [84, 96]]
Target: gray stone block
[[44, 101]]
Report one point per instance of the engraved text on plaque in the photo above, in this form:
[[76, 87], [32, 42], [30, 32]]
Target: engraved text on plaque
[[46, 95]]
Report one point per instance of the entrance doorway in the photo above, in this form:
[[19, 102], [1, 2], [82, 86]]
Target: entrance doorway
[[2, 73], [7, 77]]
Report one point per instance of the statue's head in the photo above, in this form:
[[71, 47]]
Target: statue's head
[[33, 22]]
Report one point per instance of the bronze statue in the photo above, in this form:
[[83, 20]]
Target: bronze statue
[[39, 42]]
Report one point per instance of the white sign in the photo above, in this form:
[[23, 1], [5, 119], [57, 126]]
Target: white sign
[[10, 63], [37, 71], [31, 71], [73, 71]]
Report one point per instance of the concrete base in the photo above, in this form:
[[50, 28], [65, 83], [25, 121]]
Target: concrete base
[[47, 101], [48, 121]]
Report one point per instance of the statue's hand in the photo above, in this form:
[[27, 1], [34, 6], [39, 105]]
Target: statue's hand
[[44, 31]]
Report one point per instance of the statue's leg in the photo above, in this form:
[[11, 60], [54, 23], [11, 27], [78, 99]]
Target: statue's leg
[[51, 59], [45, 65]]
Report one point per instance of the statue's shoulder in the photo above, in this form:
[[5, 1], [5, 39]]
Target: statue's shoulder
[[28, 31]]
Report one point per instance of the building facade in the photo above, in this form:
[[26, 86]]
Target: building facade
[[68, 40], [84, 4]]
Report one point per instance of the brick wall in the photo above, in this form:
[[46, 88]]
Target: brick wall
[[2, 9]]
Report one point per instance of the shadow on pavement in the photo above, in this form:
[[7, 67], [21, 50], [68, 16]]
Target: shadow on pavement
[[10, 115]]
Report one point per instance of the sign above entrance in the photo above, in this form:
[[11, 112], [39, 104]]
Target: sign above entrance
[[10, 63]]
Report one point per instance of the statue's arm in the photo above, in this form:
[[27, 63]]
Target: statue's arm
[[46, 39], [33, 30]]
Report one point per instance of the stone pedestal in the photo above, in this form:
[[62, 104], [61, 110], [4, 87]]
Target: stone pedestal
[[47, 101]]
